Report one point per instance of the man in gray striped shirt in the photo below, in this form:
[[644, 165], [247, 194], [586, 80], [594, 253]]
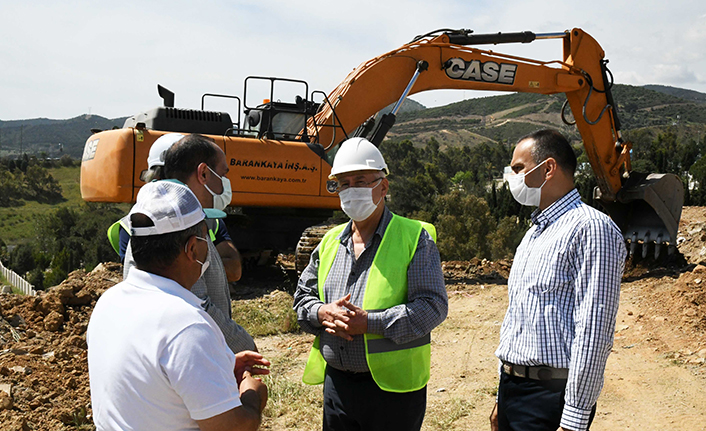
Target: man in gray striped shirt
[[563, 289]]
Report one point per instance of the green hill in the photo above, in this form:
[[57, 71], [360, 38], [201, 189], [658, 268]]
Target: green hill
[[510, 116], [681, 93]]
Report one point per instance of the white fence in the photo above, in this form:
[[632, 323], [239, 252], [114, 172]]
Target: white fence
[[17, 281]]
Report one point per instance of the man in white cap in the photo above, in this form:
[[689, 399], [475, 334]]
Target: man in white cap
[[156, 359], [372, 293]]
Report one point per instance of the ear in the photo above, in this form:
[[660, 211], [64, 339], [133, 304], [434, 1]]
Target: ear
[[190, 248], [551, 168], [384, 186], [201, 172]]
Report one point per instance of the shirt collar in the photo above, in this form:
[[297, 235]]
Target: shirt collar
[[552, 213], [150, 281], [380, 231]]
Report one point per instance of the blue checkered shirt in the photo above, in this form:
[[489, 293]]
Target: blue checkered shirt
[[426, 308], [564, 288]]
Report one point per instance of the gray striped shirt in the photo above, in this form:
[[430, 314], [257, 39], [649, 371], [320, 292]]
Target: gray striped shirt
[[564, 288], [426, 308]]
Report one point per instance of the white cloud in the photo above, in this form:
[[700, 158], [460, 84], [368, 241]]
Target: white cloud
[[675, 74]]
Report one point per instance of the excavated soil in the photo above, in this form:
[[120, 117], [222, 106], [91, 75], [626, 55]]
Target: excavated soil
[[661, 334]]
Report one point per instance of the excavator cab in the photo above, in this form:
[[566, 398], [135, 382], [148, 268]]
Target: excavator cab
[[279, 120]]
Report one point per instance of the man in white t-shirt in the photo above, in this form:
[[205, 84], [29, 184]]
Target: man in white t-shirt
[[156, 359]]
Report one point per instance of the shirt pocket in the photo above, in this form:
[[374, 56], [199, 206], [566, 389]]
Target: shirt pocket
[[548, 271]]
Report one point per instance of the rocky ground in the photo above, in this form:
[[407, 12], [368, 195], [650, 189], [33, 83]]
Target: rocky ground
[[660, 338]]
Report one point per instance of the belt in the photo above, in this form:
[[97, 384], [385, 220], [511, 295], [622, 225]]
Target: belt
[[535, 373]]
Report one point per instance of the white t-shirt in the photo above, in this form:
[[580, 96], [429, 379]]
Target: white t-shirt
[[156, 359]]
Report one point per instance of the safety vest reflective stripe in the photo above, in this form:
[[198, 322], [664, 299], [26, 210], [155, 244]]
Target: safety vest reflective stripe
[[212, 232], [382, 345]]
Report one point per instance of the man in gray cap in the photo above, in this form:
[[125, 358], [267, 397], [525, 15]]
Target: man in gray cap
[[156, 359]]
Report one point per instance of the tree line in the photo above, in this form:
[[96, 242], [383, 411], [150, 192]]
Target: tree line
[[455, 188], [27, 179]]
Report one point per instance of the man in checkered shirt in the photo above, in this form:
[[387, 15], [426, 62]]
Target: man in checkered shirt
[[564, 289]]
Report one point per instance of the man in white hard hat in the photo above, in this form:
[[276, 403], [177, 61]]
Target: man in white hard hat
[[372, 293], [156, 359]]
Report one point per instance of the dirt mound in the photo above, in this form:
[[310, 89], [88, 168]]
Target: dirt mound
[[688, 298], [476, 271], [691, 238], [43, 367]]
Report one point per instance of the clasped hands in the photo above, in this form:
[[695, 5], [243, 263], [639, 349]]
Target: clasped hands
[[343, 319]]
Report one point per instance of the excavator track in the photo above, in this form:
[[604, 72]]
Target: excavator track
[[311, 237]]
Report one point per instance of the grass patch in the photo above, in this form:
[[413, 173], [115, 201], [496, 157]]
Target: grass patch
[[443, 415], [268, 315], [17, 224], [297, 404]]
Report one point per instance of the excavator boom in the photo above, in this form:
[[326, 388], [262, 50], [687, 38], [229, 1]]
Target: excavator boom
[[646, 207]]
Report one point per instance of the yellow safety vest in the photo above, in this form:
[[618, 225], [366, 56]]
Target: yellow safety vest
[[394, 367]]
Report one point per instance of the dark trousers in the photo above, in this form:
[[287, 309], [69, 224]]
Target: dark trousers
[[354, 402], [531, 405]]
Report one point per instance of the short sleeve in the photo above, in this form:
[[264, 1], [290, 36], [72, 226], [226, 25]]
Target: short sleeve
[[221, 233], [124, 240], [199, 367]]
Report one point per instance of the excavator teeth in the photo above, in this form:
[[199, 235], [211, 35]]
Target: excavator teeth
[[658, 246]]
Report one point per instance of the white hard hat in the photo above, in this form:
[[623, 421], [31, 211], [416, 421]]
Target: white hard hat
[[358, 154], [160, 146]]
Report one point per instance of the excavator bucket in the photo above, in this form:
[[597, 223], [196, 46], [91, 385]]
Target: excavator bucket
[[647, 211]]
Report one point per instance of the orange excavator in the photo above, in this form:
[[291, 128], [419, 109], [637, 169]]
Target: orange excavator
[[280, 154]]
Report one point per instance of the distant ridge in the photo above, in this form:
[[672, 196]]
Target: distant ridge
[[39, 135], [468, 122], [682, 93]]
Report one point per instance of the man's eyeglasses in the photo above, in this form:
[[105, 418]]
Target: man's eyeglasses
[[361, 183]]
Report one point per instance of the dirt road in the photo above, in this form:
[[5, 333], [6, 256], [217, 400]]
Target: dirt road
[[646, 387]]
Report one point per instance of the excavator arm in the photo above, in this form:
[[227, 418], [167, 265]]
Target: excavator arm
[[647, 208]]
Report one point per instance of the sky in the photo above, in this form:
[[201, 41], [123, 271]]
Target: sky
[[65, 59]]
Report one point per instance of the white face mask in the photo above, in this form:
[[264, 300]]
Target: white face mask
[[357, 202], [207, 262], [524, 194], [221, 201]]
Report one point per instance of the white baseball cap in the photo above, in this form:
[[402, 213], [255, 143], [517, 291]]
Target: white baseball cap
[[171, 206]]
